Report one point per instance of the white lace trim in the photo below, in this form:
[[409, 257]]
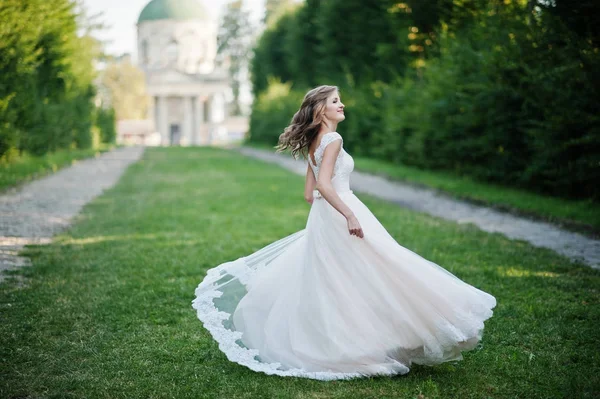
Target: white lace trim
[[445, 345], [213, 319]]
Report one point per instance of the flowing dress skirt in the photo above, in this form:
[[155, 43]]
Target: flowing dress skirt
[[327, 305]]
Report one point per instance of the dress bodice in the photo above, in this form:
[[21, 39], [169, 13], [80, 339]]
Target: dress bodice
[[344, 164]]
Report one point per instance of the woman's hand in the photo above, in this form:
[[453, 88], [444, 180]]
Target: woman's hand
[[354, 227], [309, 198]]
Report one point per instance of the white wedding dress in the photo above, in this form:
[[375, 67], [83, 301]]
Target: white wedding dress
[[326, 305]]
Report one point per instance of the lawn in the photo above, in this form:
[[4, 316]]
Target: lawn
[[106, 312]]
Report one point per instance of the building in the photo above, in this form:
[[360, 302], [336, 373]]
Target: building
[[186, 80]]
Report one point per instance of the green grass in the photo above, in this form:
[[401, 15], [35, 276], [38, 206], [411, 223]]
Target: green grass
[[27, 167], [106, 312], [581, 216]]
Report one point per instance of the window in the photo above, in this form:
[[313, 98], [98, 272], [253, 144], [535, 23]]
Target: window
[[145, 53]]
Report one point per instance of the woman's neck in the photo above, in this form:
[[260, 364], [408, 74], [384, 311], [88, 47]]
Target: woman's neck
[[327, 128]]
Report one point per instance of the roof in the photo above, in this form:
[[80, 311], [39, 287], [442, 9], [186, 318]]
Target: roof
[[173, 9]]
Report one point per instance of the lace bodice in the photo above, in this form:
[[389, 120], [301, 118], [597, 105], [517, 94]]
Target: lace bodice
[[344, 164]]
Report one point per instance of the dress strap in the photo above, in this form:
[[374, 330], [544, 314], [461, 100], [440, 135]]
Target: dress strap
[[327, 139]]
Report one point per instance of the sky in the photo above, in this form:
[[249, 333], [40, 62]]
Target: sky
[[120, 16]]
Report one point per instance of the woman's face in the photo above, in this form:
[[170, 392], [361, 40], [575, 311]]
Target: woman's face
[[334, 109]]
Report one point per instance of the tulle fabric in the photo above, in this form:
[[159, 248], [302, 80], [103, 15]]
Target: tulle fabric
[[327, 305]]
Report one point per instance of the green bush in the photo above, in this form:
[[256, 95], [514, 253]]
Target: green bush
[[105, 121], [492, 107], [501, 91], [272, 112], [46, 84]]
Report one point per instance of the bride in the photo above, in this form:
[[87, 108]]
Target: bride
[[341, 298]]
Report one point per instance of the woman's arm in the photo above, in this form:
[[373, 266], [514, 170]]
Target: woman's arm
[[328, 192], [310, 184]]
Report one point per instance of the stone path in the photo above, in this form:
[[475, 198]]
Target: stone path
[[36, 211], [572, 245]]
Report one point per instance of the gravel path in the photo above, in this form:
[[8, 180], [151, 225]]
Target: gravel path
[[572, 245], [34, 212]]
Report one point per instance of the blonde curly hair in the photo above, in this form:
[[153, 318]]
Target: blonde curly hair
[[306, 122]]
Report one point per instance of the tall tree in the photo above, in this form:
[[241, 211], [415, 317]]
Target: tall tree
[[46, 91], [302, 44], [235, 41], [270, 57], [362, 41]]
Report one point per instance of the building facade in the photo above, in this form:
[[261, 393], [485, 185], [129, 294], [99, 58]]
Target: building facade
[[186, 80]]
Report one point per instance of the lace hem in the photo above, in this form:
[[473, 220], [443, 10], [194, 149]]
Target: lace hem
[[450, 340], [219, 292], [445, 345], [213, 319]]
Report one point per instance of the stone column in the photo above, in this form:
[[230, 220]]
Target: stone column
[[187, 128], [163, 122], [152, 114], [217, 108], [198, 121]]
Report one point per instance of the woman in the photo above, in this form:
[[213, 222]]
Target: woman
[[341, 298]]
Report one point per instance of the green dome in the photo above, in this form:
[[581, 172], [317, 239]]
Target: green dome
[[173, 9]]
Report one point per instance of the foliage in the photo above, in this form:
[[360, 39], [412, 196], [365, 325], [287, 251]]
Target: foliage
[[46, 85], [302, 46], [362, 41], [269, 58], [272, 112], [501, 91], [506, 102], [106, 122]]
